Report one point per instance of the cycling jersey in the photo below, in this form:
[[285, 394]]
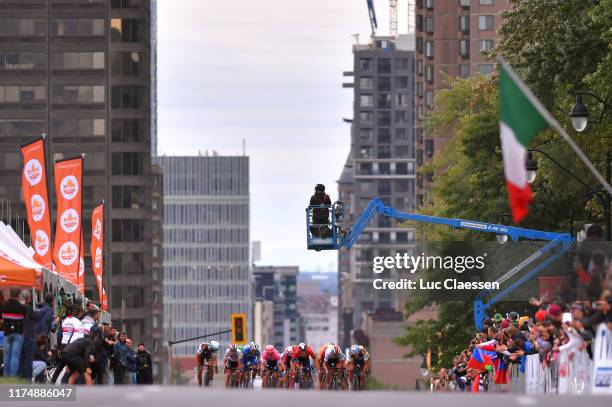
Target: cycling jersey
[[249, 356], [304, 358], [286, 358], [71, 330], [232, 356], [362, 356], [329, 358], [273, 356], [205, 354]]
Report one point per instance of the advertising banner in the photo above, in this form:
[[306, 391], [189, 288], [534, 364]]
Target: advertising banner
[[34, 185], [97, 250]]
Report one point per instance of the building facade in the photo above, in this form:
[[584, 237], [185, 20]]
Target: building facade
[[275, 289], [79, 72], [451, 37], [382, 163], [318, 310], [206, 247]]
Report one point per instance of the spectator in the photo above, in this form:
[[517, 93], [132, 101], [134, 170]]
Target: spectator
[[131, 365], [78, 354], [90, 319], [46, 323], [13, 314], [120, 359], [42, 358], [145, 365], [29, 338], [71, 331]]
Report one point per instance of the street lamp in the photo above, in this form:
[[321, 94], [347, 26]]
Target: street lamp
[[531, 165], [580, 114]]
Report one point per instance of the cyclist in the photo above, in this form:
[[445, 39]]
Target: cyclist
[[231, 363], [249, 359], [301, 359], [358, 356], [333, 362], [270, 364], [207, 352], [319, 362], [287, 378]]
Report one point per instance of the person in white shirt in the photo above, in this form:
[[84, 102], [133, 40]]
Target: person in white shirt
[[90, 319], [71, 327]]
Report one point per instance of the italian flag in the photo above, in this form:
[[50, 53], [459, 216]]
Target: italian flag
[[520, 121]]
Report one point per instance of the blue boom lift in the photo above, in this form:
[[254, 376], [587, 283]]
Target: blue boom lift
[[329, 235]]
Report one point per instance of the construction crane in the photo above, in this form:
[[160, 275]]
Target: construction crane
[[392, 17], [330, 236]]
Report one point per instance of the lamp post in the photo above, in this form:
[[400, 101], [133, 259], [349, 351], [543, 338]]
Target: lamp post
[[531, 165], [580, 113]]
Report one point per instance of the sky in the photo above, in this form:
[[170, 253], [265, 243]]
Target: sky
[[268, 72]]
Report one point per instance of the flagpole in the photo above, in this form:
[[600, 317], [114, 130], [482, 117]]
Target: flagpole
[[553, 123]]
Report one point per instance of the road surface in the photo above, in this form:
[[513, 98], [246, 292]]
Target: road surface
[[189, 396]]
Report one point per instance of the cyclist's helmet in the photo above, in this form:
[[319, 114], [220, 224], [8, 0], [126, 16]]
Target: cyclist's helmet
[[269, 349], [232, 347], [355, 349], [302, 346], [289, 349], [253, 346], [214, 346], [334, 349]]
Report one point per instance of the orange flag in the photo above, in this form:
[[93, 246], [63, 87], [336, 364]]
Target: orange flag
[[97, 250], [67, 247], [34, 185]]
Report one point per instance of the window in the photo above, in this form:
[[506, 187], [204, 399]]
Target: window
[[429, 4], [384, 100], [401, 82], [128, 197], [384, 152], [127, 30], [384, 83], [384, 65], [485, 23], [401, 134], [464, 48], [24, 27], [401, 100], [429, 148], [464, 3], [464, 24], [419, 23], [70, 94], [365, 169], [419, 89], [464, 70], [365, 117], [128, 263], [429, 98], [429, 73], [127, 63], [384, 118], [401, 63], [366, 100], [485, 45], [402, 151], [79, 127], [78, 60], [128, 97], [429, 25], [127, 130], [401, 117], [125, 3], [419, 67], [365, 152], [485, 69], [365, 63], [70, 27], [419, 45], [22, 94], [365, 82], [366, 135], [485, 2], [429, 49], [128, 230], [384, 136], [128, 163], [22, 61]]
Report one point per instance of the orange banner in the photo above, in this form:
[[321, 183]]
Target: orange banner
[[81, 276], [68, 187], [34, 185], [97, 251]]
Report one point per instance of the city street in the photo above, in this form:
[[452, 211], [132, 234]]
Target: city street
[[151, 396]]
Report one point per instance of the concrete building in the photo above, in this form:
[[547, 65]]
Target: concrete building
[[318, 309], [206, 246], [275, 296], [79, 71], [381, 164], [450, 38]]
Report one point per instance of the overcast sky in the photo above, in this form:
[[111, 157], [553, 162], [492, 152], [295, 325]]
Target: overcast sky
[[269, 72]]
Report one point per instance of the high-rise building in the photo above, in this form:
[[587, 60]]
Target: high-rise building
[[206, 247], [381, 164], [79, 71], [154, 77], [450, 38], [275, 288]]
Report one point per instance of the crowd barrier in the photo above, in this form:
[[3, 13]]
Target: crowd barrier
[[571, 372]]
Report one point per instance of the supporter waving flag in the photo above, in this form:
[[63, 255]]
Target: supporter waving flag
[[482, 358]]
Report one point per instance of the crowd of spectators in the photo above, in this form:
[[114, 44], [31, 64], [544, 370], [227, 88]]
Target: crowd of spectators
[[563, 320], [72, 348]]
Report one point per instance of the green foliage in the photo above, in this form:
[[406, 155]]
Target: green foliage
[[557, 47], [373, 384]]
